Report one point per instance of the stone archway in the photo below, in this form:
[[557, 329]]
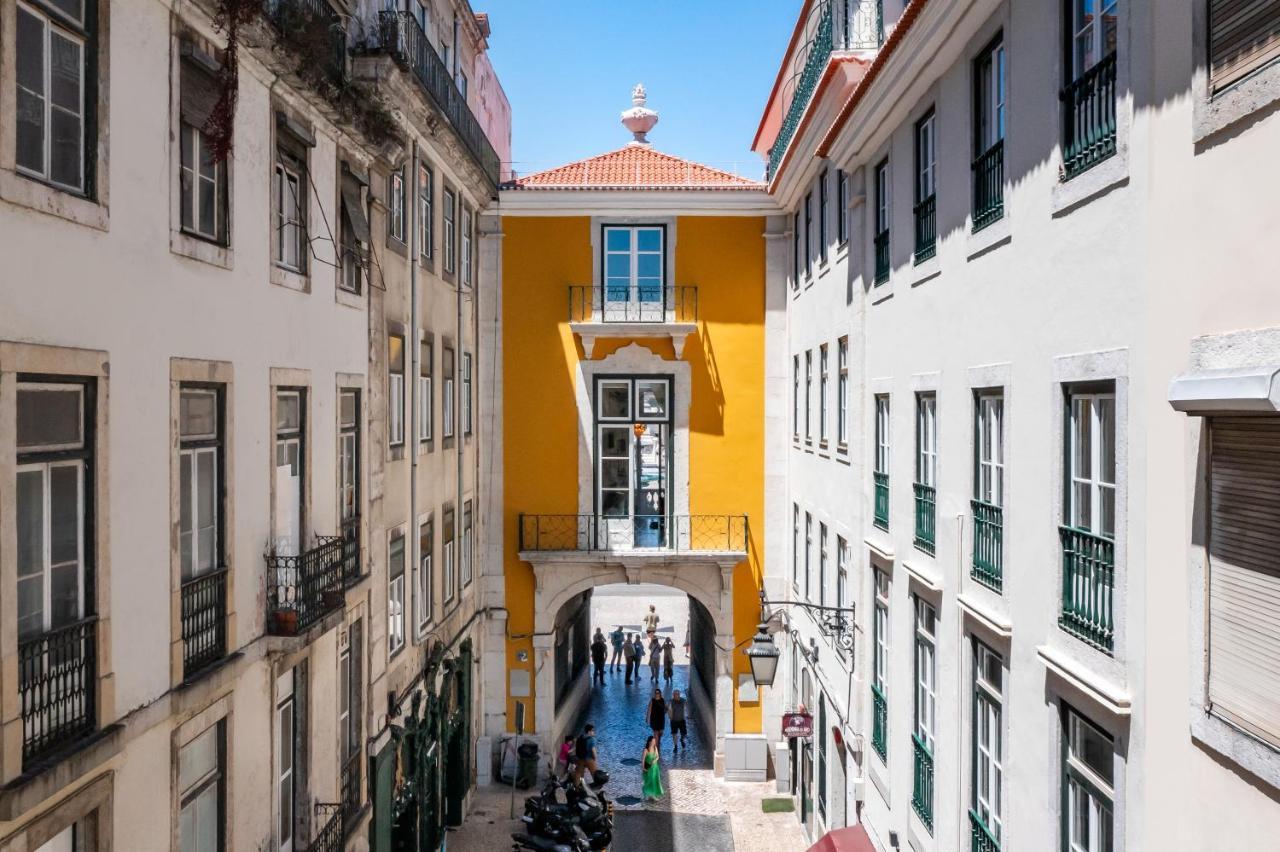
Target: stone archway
[[563, 576]]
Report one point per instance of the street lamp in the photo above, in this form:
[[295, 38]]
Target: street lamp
[[763, 655]]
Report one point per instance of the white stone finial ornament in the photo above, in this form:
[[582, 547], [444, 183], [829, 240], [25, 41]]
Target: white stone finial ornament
[[639, 119]]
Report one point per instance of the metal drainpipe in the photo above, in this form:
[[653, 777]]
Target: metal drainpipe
[[415, 355], [460, 423], [960, 574]]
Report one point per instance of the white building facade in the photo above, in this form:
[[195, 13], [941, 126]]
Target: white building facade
[[1020, 232]]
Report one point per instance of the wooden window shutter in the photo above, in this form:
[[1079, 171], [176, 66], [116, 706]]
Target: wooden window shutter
[[1244, 35], [199, 86], [1244, 574]]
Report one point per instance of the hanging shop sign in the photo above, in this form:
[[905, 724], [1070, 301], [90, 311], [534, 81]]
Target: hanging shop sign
[[799, 724]]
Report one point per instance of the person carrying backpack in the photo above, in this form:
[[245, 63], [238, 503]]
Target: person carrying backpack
[[585, 751]]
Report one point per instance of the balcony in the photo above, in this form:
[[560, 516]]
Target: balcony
[[926, 516], [645, 311], [922, 782], [846, 25], [926, 229], [879, 723], [57, 685], [303, 589], [313, 29], [204, 621], [403, 40], [1088, 587], [882, 257], [988, 187], [350, 786], [1089, 118], [982, 840], [641, 534], [988, 545], [332, 828], [881, 517]]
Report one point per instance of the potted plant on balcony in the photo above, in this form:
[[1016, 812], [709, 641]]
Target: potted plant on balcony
[[333, 598], [284, 622]]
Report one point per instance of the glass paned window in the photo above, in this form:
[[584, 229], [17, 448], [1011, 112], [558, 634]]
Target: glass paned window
[[450, 237], [201, 791], [842, 206], [287, 517], [466, 393], [447, 399], [289, 193], [1088, 767], [348, 454], [634, 264], [286, 745], [425, 409], [795, 397], [395, 389], [795, 545], [882, 434], [467, 542], [824, 214], [990, 443], [1093, 24], [395, 205], [880, 663], [842, 392], [199, 475], [808, 395], [426, 579], [203, 186], [395, 592], [823, 382], [882, 198], [927, 440], [808, 235], [988, 738], [822, 564], [926, 157], [926, 664], [466, 245], [50, 82], [1092, 485], [449, 578], [808, 555], [426, 209], [990, 96]]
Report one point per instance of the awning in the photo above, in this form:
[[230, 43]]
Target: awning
[[355, 210], [1241, 390], [851, 839]]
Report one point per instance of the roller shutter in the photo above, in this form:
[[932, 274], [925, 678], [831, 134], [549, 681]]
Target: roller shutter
[[1244, 573], [1244, 35]]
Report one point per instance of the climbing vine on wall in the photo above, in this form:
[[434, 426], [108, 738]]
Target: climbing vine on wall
[[229, 17]]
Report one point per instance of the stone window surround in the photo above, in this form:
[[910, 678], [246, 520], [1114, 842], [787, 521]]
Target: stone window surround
[[96, 798], [1243, 99], [182, 371], [634, 359], [1059, 695], [18, 358], [349, 382], [349, 155], [32, 193], [280, 379], [1110, 365], [1236, 349], [220, 711], [180, 242], [598, 224]]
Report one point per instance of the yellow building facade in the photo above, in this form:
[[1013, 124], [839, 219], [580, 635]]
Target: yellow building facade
[[633, 419]]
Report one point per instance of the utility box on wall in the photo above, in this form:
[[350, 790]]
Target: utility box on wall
[[782, 765], [746, 757]]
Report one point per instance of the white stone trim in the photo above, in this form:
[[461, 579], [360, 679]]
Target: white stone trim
[[1113, 698], [995, 622]]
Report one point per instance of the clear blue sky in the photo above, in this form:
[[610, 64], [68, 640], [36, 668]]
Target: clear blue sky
[[568, 67]]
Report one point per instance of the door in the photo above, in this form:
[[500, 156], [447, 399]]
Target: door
[[633, 432], [633, 274], [287, 516]]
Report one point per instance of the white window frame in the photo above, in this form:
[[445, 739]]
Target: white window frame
[[795, 397], [396, 593], [927, 439], [1092, 410], [842, 207], [191, 456], [194, 185], [822, 563], [926, 674], [808, 555], [426, 366], [883, 197], [450, 235], [52, 26], [395, 393], [823, 386], [808, 396], [1091, 29], [286, 747], [795, 546], [426, 204], [992, 96], [291, 222], [466, 246], [880, 630], [989, 444], [426, 554], [467, 541], [466, 393], [824, 214], [395, 204], [449, 578], [192, 798], [926, 156], [988, 738], [842, 392], [448, 367], [883, 455], [1090, 798], [349, 459]]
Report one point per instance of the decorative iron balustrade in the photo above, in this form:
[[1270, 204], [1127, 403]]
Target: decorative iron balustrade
[[1088, 586], [678, 533], [882, 257], [861, 27], [881, 516], [926, 516], [879, 723], [988, 186], [303, 589], [926, 229], [402, 38], [332, 832], [349, 784], [204, 621], [988, 544], [57, 688], [922, 782], [315, 29], [982, 838], [641, 303], [1089, 118]]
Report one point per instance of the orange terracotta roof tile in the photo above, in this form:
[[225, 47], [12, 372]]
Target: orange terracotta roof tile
[[633, 167]]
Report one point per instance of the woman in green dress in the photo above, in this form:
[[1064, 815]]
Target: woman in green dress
[[652, 774]]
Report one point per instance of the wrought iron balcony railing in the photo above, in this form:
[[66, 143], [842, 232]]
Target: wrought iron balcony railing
[[204, 621], [881, 517], [882, 257], [926, 229], [982, 838], [988, 186], [352, 797], [922, 784], [988, 544], [679, 533], [332, 830], [926, 516], [1088, 586], [1089, 118], [313, 29], [303, 589], [879, 723], [402, 38], [860, 27], [640, 303], [57, 688]]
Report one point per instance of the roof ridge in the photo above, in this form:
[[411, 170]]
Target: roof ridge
[[636, 166]]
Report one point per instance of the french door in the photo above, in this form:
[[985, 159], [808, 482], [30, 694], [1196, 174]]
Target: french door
[[633, 446]]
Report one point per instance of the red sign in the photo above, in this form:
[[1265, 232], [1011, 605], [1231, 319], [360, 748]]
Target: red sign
[[797, 725]]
